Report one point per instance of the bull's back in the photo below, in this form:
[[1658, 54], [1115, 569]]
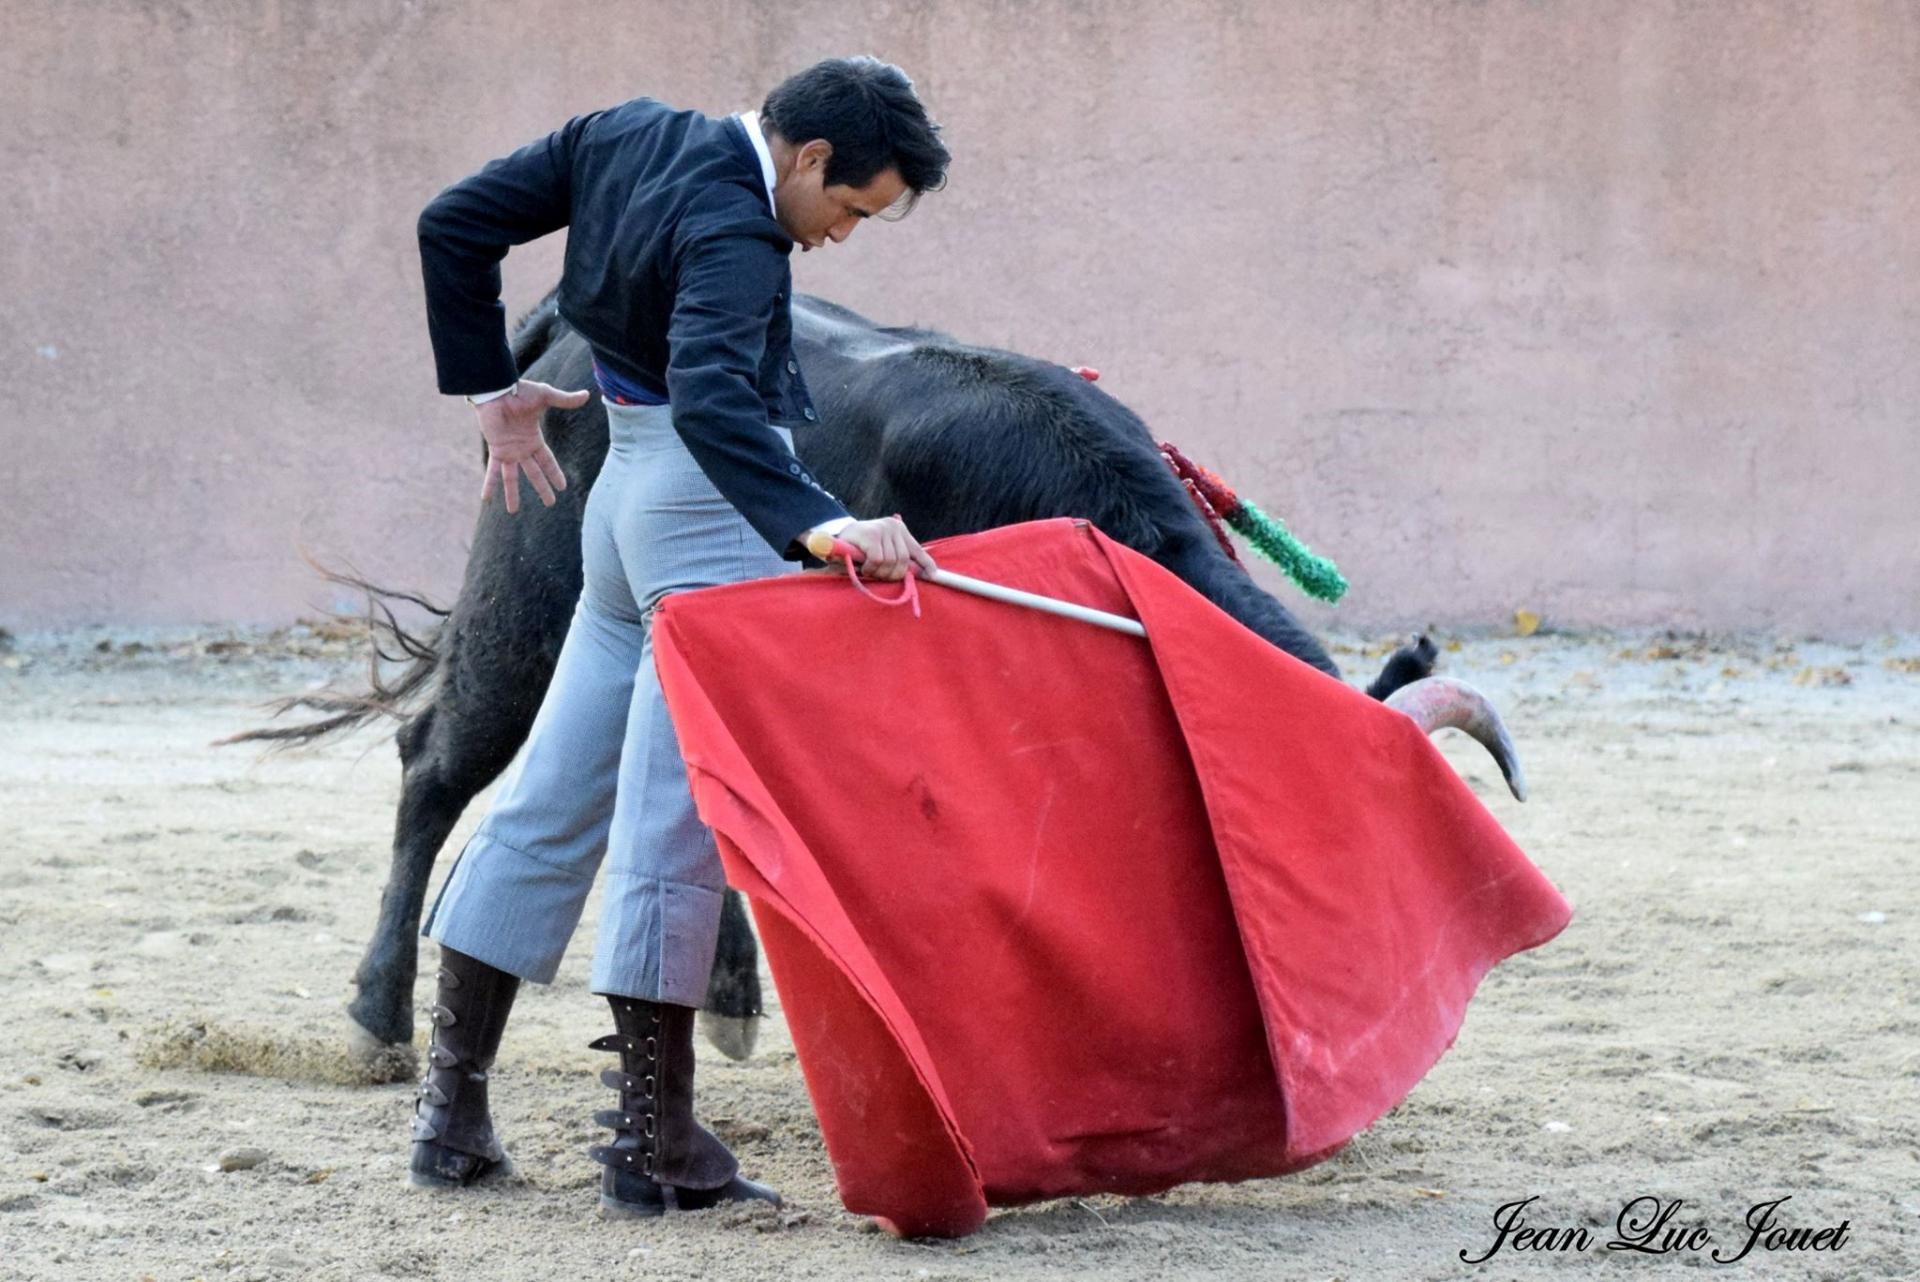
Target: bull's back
[[954, 438], [960, 438]]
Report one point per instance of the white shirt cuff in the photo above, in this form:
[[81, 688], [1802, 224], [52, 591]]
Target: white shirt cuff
[[833, 527], [484, 397]]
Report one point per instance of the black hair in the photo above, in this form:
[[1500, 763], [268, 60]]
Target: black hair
[[867, 110]]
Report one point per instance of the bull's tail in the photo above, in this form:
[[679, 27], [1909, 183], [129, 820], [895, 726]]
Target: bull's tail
[[1314, 575], [389, 642]]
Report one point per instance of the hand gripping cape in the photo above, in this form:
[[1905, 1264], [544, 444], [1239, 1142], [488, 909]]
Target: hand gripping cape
[[1055, 910]]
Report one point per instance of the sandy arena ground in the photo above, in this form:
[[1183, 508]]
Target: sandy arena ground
[[1733, 1017]]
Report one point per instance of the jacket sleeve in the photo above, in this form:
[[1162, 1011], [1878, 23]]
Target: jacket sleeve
[[465, 232], [728, 284]]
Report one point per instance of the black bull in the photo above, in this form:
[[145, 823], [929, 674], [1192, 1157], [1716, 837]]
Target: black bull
[[954, 438]]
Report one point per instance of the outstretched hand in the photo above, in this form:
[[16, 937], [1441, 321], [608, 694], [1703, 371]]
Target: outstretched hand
[[515, 444]]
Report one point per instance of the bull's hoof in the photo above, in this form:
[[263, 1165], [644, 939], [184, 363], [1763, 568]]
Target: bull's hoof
[[731, 1035], [384, 1012], [383, 1061]]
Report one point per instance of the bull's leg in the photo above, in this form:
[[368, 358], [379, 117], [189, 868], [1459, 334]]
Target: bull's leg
[[448, 755], [731, 1020], [441, 772], [494, 668]]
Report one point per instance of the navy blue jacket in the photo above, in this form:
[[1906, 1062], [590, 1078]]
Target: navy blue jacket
[[677, 275]]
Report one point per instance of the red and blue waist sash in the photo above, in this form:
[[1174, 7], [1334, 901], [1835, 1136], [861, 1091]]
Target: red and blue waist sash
[[624, 391]]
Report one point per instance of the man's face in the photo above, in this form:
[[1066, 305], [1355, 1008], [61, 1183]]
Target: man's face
[[814, 212]]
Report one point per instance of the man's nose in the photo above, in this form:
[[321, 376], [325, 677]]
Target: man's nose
[[842, 229]]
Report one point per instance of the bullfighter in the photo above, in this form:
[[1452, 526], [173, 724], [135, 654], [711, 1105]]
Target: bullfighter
[[677, 273]]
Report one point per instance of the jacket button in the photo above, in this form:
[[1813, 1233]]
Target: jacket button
[[794, 468], [793, 367], [811, 416]]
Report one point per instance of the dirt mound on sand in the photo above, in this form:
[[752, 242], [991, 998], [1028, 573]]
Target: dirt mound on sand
[[208, 1045]]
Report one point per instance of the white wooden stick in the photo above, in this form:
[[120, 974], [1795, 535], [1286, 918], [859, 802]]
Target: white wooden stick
[[1034, 601]]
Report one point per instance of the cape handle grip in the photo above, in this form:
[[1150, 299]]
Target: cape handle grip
[[823, 546]]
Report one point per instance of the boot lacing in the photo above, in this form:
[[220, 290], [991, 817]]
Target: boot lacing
[[442, 1061], [639, 1121]]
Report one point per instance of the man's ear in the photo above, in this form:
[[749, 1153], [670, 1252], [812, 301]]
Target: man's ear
[[814, 155]]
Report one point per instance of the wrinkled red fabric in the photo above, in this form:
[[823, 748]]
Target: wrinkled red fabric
[[1054, 910]]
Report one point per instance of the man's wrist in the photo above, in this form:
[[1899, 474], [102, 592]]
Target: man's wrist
[[483, 397], [831, 528]]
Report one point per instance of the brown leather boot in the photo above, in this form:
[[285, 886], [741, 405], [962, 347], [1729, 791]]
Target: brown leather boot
[[453, 1139], [661, 1159]]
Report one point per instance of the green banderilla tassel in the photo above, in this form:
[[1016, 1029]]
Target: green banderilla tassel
[[1318, 577]]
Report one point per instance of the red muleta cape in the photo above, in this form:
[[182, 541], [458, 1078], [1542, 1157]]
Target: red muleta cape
[[1054, 910]]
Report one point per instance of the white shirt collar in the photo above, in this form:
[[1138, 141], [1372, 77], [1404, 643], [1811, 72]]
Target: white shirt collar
[[751, 119]]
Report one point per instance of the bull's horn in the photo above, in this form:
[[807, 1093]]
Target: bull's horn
[[1436, 703]]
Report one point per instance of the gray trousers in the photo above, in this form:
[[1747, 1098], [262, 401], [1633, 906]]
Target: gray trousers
[[601, 771]]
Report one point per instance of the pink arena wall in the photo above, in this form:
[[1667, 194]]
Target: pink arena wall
[[1606, 310]]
